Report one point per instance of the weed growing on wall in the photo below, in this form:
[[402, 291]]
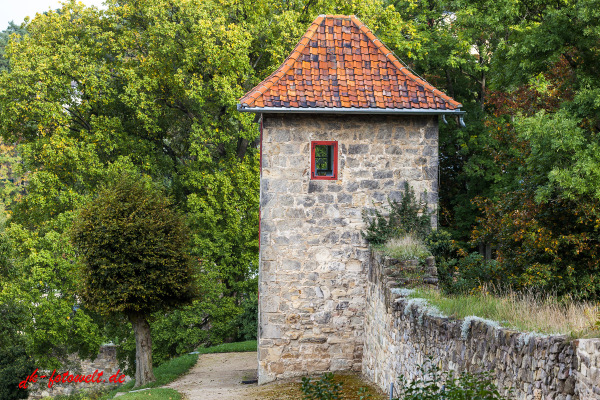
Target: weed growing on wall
[[364, 394], [325, 388], [434, 384], [408, 216], [405, 248]]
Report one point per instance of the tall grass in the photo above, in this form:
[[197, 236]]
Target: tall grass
[[524, 311], [406, 247]]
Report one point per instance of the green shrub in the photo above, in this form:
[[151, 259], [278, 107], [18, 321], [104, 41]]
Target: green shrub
[[467, 274], [248, 320], [323, 389], [436, 384], [15, 366], [15, 363], [440, 244], [407, 216]]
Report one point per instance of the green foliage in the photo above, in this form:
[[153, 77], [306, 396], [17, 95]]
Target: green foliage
[[248, 321], [433, 383], [151, 87], [206, 321], [440, 244], [408, 216], [467, 274], [549, 245], [16, 362], [15, 366], [94, 95], [364, 394], [134, 250], [134, 254], [13, 29], [223, 214], [530, 146], [38, 298], [564, 157], [326, 388]]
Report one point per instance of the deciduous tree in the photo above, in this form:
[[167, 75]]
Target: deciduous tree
[[134, 253]]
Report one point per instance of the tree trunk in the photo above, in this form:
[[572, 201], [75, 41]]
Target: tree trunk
[[143, 350]]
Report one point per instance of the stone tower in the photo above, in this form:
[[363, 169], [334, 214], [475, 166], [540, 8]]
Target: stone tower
[[343, 125]]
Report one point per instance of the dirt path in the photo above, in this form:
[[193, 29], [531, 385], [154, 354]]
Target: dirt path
[[219, 377]]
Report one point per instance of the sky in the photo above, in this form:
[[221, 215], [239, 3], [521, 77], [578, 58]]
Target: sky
[[17, 10]]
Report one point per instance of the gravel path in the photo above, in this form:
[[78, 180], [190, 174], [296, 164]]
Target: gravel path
[[219, 377]]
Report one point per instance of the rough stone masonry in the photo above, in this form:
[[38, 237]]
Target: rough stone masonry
[[400, 335], [313, 260]]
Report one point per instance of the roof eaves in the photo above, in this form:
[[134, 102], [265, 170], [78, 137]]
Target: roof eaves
[[348, 110]]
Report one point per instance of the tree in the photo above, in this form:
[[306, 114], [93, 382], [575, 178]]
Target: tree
[[4, 37], [149, 87], [15, 363], [134, 252]]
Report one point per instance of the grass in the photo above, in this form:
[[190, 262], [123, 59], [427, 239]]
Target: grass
[[527, 311], [153, 394], [405, 248], [165, 374], [238, 347]]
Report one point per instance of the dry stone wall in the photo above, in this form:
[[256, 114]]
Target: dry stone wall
[[400, 334], [587, 371], [313, 260]]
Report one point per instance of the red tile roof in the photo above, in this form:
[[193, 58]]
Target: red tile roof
[[340, 64]]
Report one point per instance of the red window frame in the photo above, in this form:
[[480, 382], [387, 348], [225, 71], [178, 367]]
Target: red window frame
[[313, 171]]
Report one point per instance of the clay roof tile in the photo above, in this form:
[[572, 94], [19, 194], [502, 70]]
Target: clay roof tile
[[340, 63]]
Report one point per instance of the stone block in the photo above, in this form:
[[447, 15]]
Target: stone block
[[358, 149], [431, 132]]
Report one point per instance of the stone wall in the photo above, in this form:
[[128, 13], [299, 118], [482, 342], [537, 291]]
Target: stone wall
[[400, 333], [105, 362], [313, 259], [587, 372]]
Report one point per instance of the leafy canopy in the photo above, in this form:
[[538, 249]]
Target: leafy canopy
[[134, 250]]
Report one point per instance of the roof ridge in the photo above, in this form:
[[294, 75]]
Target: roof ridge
[[280, 72], [399, 64], [338, 16]]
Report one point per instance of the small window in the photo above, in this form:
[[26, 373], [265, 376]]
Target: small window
[[324, 160]]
